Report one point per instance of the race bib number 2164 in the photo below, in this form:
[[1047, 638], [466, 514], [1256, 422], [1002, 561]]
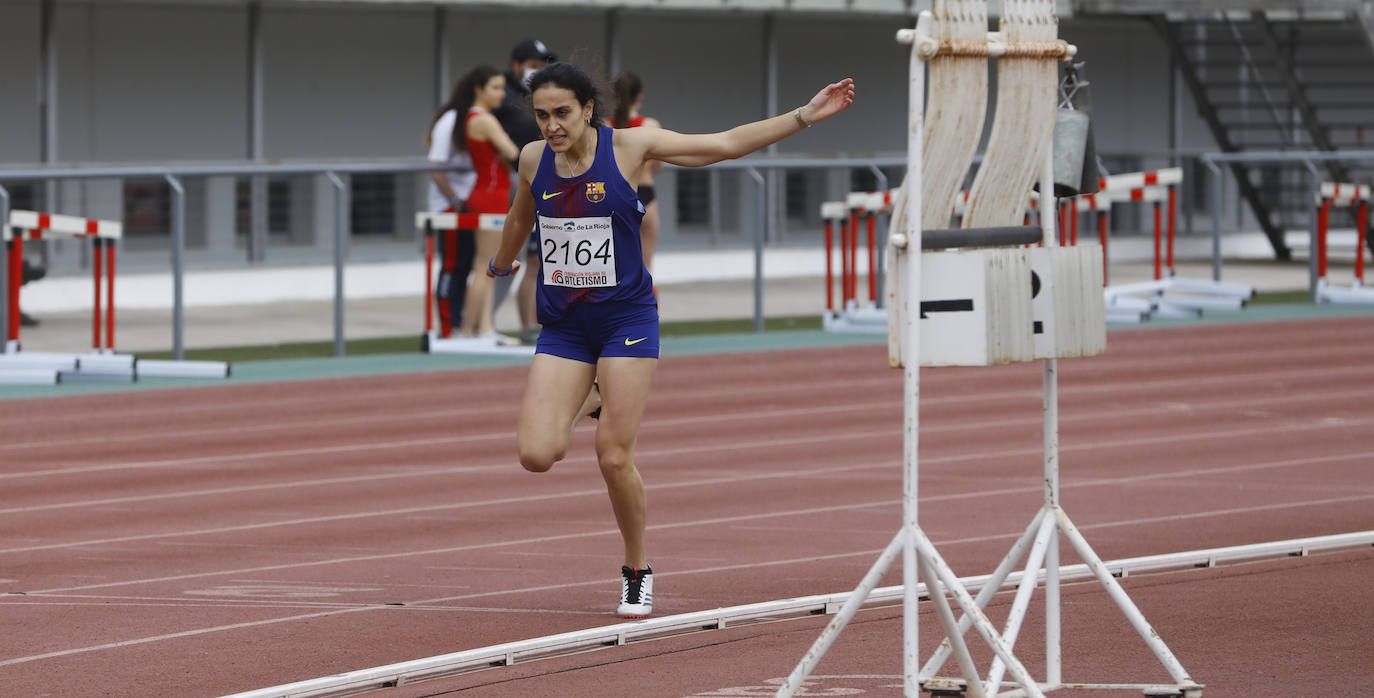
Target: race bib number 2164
[[577, 252]]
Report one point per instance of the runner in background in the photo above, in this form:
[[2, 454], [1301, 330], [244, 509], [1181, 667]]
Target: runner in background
[[448, 191], [526, 58], [629, 97], [482, 90], [596, 302]]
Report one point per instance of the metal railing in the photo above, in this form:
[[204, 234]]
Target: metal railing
[[1306, 159], [768, 202], [175, 174]]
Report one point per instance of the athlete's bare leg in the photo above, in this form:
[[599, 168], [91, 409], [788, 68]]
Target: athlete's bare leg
[[477, 306], [624, 384], [555, 396]]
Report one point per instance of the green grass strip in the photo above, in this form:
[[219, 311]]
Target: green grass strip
[[411, 344]]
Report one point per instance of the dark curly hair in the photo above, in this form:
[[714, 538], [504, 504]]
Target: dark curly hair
[[572, 78]]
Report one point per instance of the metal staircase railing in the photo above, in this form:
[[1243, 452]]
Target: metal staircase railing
[[1188, 69], [1278, 82]]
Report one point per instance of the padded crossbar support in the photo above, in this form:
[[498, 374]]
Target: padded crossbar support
[[997, 236]]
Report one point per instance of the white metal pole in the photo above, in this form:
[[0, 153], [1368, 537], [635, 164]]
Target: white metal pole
[[851, 606], [1017, 615], [1050, 382], [911, 350], [989, 589], [1123, 601], [980, 619], [956, 638]]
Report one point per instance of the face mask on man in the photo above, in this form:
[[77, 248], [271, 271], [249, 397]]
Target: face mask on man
[[529, 74]]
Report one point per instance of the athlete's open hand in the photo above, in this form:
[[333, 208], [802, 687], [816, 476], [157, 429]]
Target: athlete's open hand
[[831, 100]]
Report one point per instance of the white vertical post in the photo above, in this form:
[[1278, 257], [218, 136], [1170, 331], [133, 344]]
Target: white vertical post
[[911, 348], [1049, 219]]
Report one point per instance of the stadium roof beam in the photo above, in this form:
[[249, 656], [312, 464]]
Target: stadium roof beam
[[1200, 7]]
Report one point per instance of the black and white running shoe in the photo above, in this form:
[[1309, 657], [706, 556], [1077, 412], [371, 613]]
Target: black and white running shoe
[[636, 592]]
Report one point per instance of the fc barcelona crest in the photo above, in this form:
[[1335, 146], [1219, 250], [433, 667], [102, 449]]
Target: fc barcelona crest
[[596, 192]]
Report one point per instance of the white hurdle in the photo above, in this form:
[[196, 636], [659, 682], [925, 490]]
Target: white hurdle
[[102, 363], [430, 224], [1018, 154], [853, 314], [1337, 195], [1188, 297]]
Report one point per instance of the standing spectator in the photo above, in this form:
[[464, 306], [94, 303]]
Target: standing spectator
[[448, 191], [481, 91], [629, 97], [517, 118]]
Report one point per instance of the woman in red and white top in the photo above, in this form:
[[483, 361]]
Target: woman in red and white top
[[629, 97], [491, 149]]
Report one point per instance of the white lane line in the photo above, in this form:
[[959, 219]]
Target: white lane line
[[744, 477], [571, 585], [137, 602], [373, 445], [487, 408]]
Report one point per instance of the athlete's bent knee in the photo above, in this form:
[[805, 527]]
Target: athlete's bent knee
[[538, 460]]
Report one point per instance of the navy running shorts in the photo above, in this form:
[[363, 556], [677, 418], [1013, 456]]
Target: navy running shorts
[[590, 331]]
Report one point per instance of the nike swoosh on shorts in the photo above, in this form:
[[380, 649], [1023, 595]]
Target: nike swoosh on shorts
[[637, 341]]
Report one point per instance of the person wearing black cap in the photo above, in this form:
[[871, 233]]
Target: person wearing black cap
[[516, 117]]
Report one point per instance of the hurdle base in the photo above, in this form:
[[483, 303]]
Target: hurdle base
[[29, 376], [855, 319], [80, 376], [39, 360], [472, 345], [940, 687], [1126, 316], [1352, 295], [182, 369]]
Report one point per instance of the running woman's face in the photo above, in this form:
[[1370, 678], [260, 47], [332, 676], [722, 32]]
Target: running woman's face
[[492, 93], [561, 119]]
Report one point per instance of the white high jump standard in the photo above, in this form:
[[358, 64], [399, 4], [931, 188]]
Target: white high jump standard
[[1028, 37]]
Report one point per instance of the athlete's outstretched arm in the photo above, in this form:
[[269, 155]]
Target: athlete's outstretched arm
[[695, 150], [520, 219]]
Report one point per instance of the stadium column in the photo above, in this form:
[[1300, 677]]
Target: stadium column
[[257, 188], [612, 43]]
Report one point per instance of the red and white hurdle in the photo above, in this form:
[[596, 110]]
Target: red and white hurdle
[[102, 363], [853, 314], [449, 223], [1191, 296], [1337, 195]]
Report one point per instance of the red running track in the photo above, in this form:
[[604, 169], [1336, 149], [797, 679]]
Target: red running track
[[203, 541]]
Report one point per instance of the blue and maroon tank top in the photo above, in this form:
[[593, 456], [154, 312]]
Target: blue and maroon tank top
[[588, 229]]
